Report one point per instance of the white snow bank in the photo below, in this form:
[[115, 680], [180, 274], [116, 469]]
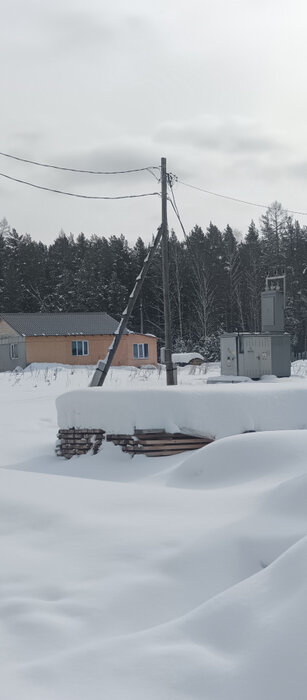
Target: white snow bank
[[243, 459], [187, 583], [228, 379], [215, 411], [139, 591]]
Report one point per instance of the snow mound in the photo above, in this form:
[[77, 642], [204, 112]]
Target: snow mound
[[180, 578], [142, 591], [213, 411], [241, 459]]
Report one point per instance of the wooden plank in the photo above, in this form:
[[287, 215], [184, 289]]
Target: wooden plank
[[120, 436], [149, 431], [163, 434], [74, 443], [171, 436], [188, 435], [165, 453], [176, 441], [78, 431], [139, 449], [152, 436], [122, 441]]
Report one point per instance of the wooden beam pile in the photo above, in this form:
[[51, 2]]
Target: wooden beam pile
[[152, 443], [75, 441], [157, 443]]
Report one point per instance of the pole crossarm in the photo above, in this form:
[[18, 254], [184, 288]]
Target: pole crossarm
[[103, 366]]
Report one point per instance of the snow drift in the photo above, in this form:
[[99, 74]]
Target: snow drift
[[213, 411], [187, 584], [180, 578]]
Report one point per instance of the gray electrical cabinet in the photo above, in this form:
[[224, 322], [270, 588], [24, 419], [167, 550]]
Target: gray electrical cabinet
[[255, 354]]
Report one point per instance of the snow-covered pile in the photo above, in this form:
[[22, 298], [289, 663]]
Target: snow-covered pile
[[186, 357], [214, 411]]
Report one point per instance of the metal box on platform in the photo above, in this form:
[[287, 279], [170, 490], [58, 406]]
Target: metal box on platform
[[256, 354]]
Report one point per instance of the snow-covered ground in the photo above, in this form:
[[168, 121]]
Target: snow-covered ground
[[173, 578]]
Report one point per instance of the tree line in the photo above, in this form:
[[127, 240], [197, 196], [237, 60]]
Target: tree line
[[216, 278]]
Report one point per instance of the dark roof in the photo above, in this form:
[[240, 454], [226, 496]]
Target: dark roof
[[85, 323]]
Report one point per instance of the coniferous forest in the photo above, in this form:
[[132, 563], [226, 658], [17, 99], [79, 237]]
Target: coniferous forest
[[216, 278]]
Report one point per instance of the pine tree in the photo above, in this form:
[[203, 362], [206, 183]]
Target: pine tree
[[13, 288], [253, 277], [60, 273], [274, 225], [233, 301]]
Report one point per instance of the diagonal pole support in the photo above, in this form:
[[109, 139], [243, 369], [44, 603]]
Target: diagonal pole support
[[103, 366]]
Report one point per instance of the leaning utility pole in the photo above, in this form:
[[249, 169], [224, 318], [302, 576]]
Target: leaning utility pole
[[170, 374], [104, 365]]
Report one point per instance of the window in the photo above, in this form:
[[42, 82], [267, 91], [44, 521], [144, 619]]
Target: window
[[14, 351], [79, 347], [140, 351]]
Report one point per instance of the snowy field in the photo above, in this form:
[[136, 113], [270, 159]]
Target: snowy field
[[150, 579]]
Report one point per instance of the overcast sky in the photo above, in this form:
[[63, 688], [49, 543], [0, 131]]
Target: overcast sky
[[218, 87]]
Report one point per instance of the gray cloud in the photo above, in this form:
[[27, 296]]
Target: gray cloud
[[101, 85], [230, 135], [27, 137], [120, 154], [299, 169], [73, 31]]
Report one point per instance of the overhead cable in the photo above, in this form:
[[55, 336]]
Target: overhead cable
[[81, 196], [178, 215], [149, 168], [236, 199], [173, 202]]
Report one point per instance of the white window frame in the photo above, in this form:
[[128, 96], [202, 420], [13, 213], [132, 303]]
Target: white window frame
[[85, 344], [14, 351], [139, 352]]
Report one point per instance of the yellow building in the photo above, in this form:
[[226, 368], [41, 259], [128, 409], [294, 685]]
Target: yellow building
[[69, 338]]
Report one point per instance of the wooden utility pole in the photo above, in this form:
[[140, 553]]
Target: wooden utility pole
[[170, 373]]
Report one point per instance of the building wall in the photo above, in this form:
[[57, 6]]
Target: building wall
[[59, 349], [6, 361], [5, 329]]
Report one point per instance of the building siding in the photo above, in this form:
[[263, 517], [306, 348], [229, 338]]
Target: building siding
[[6, 361], [6, 330], [59, 349]]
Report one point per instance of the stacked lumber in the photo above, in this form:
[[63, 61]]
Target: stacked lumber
[[77, 441], [158, 443], [152, 443]]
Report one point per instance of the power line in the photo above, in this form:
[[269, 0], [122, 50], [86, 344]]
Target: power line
[[173, 202], [149, 168], [236, 199], [81, 196], [178, 215]]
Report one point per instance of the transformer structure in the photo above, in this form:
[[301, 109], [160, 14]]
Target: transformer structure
[[256, 354]]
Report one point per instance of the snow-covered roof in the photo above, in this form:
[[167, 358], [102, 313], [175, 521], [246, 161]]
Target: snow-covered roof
[[83, 323]]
